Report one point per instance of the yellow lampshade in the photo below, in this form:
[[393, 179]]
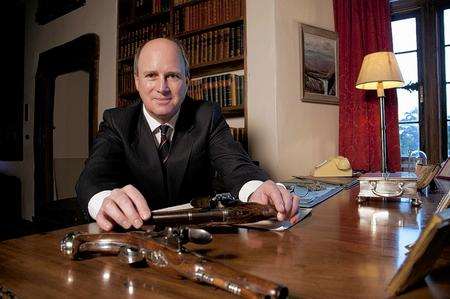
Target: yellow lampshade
[[379, 67]]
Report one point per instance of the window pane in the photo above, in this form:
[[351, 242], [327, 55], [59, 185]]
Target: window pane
[[409, 139], [448, 100], [448, 138], [408, 66], [408, 105], [404, 35], [447, 26], [447, 64]]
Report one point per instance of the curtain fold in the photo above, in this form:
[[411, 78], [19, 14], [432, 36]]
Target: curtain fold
[[364, 27]]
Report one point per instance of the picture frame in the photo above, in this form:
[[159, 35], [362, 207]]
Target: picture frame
[[319, 71], [423, 254]]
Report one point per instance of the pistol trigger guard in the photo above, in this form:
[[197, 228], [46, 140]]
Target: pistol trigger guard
[[130, 255]]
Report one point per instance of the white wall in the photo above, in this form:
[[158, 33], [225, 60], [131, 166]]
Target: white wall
[[287, 136], [71, 119], [261, 83], [71, 133], [97, 16]]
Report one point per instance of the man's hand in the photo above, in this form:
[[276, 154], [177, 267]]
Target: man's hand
[[284, 202], [125, 206]]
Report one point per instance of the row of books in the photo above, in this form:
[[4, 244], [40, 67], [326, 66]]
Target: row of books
[[206, 13], [214, 45], [151, 7], [141, 8], [240, 135], [129, 41], [227, 90], [126, 79], [179, 2], [124, 102]]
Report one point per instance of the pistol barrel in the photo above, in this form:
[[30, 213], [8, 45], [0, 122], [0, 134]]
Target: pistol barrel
[[244, 213]]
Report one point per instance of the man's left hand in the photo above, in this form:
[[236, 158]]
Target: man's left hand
[[284, 202]]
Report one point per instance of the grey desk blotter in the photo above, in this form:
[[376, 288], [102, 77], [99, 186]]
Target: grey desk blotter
[[311, 192]]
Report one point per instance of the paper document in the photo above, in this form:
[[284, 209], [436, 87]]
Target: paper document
[[278, 225]]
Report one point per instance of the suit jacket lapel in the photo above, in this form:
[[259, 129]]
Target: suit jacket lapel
[[147, 155], [180, 151]]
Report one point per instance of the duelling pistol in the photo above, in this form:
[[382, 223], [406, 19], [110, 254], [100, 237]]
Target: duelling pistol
[[164, 251], [233, 213]]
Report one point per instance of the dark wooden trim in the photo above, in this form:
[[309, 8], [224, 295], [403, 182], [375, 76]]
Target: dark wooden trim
[[441, 80], [80, 54], [12, 108], [405, 6], [432, 109], [433, 134]]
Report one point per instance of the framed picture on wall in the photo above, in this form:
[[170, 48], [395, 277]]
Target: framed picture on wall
[[319, 72]]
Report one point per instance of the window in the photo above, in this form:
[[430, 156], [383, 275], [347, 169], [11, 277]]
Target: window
[[446, 76], [421, 42], [405, 49]]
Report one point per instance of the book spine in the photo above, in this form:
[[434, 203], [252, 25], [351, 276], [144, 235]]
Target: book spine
[[239, 44], [209, 46], [226, 43]]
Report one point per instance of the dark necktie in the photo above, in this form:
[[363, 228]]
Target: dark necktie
[[164, 145]]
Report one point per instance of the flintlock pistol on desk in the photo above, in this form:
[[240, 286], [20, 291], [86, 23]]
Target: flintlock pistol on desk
[[164, 251], [234, 213]]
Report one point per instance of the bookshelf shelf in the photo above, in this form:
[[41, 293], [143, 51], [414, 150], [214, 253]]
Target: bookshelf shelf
[[235, 111], [129, 95], [189, 3], [214, 67], [210, 27], [144, 19], [126, 60]]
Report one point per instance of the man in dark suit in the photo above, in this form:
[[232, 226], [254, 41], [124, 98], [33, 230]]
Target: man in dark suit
[[161, 152]]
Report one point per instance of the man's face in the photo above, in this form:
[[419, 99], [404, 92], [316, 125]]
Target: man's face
[[161, 80]]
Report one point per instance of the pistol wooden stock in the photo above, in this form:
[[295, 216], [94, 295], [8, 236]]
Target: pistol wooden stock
[[242, 213], [170, 260]]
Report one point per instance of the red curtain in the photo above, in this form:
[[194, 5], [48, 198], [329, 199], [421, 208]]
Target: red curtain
[[364, 27]]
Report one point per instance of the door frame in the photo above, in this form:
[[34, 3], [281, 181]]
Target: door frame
[[80, 54]]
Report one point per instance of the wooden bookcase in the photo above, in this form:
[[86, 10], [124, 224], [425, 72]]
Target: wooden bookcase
[[213, 35]]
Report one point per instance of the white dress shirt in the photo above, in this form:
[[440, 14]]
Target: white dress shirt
[[96, 201]]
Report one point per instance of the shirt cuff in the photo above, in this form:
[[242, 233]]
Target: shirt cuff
[[248, 188], [96, 201], [281, 185]]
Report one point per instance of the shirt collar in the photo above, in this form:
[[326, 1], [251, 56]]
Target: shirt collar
[[154, 124]]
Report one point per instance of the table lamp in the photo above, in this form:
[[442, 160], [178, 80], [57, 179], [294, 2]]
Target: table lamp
[[380, 71]]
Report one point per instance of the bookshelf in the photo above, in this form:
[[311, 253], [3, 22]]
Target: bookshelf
[[213, 35]]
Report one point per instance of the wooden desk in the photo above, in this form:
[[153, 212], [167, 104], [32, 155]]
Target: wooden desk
[[342, 250]]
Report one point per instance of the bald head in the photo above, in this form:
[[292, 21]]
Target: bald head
[[158, 44]]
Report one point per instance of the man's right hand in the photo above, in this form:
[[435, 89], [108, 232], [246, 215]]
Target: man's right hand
[[125, 206]]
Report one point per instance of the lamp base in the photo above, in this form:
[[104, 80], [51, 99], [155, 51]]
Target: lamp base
[[389, 185]]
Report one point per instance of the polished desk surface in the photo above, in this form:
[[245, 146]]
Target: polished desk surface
[[344, 249]]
